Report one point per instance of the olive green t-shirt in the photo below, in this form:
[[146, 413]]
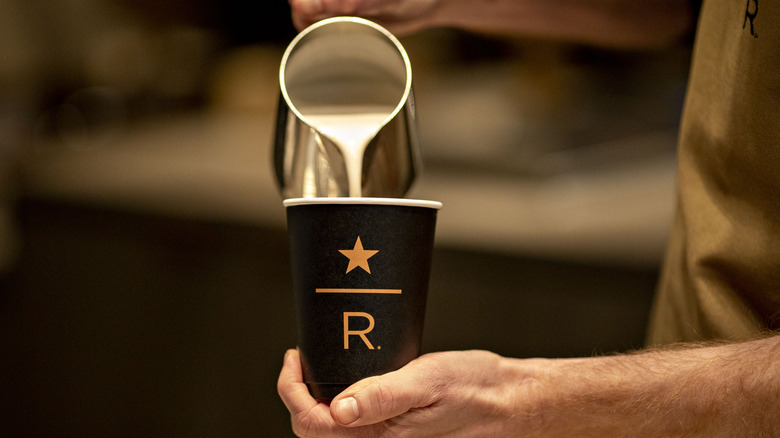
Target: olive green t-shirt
[[721, 274]]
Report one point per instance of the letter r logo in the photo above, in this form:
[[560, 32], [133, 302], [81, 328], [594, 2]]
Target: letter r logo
[[361, 333]]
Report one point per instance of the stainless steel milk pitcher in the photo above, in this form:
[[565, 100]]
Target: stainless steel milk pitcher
[[346, 123]]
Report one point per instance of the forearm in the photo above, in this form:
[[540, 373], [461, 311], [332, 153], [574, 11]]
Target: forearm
[[726, 390], [618, 23]]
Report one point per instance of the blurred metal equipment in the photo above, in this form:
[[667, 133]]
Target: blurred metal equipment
[[346, 123]]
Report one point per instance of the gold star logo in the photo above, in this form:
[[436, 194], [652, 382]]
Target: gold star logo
[[358, 257]]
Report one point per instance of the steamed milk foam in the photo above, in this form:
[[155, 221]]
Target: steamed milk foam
[[351, 133]]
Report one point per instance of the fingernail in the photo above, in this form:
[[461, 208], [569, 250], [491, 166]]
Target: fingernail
[[310, 7], [346, 410]]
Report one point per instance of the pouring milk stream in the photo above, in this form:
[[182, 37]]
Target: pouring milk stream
[[351, 133]]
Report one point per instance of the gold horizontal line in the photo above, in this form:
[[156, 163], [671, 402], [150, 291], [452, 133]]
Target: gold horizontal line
[[356, 291]]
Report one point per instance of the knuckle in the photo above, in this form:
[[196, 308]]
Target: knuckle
[[342, 6], [351, 6], [384, 400], [303, 423], [280, 385], [440, 373]]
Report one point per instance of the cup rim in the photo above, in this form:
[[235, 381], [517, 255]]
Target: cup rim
[[364, 200]]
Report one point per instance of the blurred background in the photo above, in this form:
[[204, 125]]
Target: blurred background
[[144, 277]]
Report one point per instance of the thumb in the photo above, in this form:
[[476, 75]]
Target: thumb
[[380, 398]]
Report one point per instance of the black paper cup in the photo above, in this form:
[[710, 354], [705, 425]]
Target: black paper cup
[[360, 276]]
